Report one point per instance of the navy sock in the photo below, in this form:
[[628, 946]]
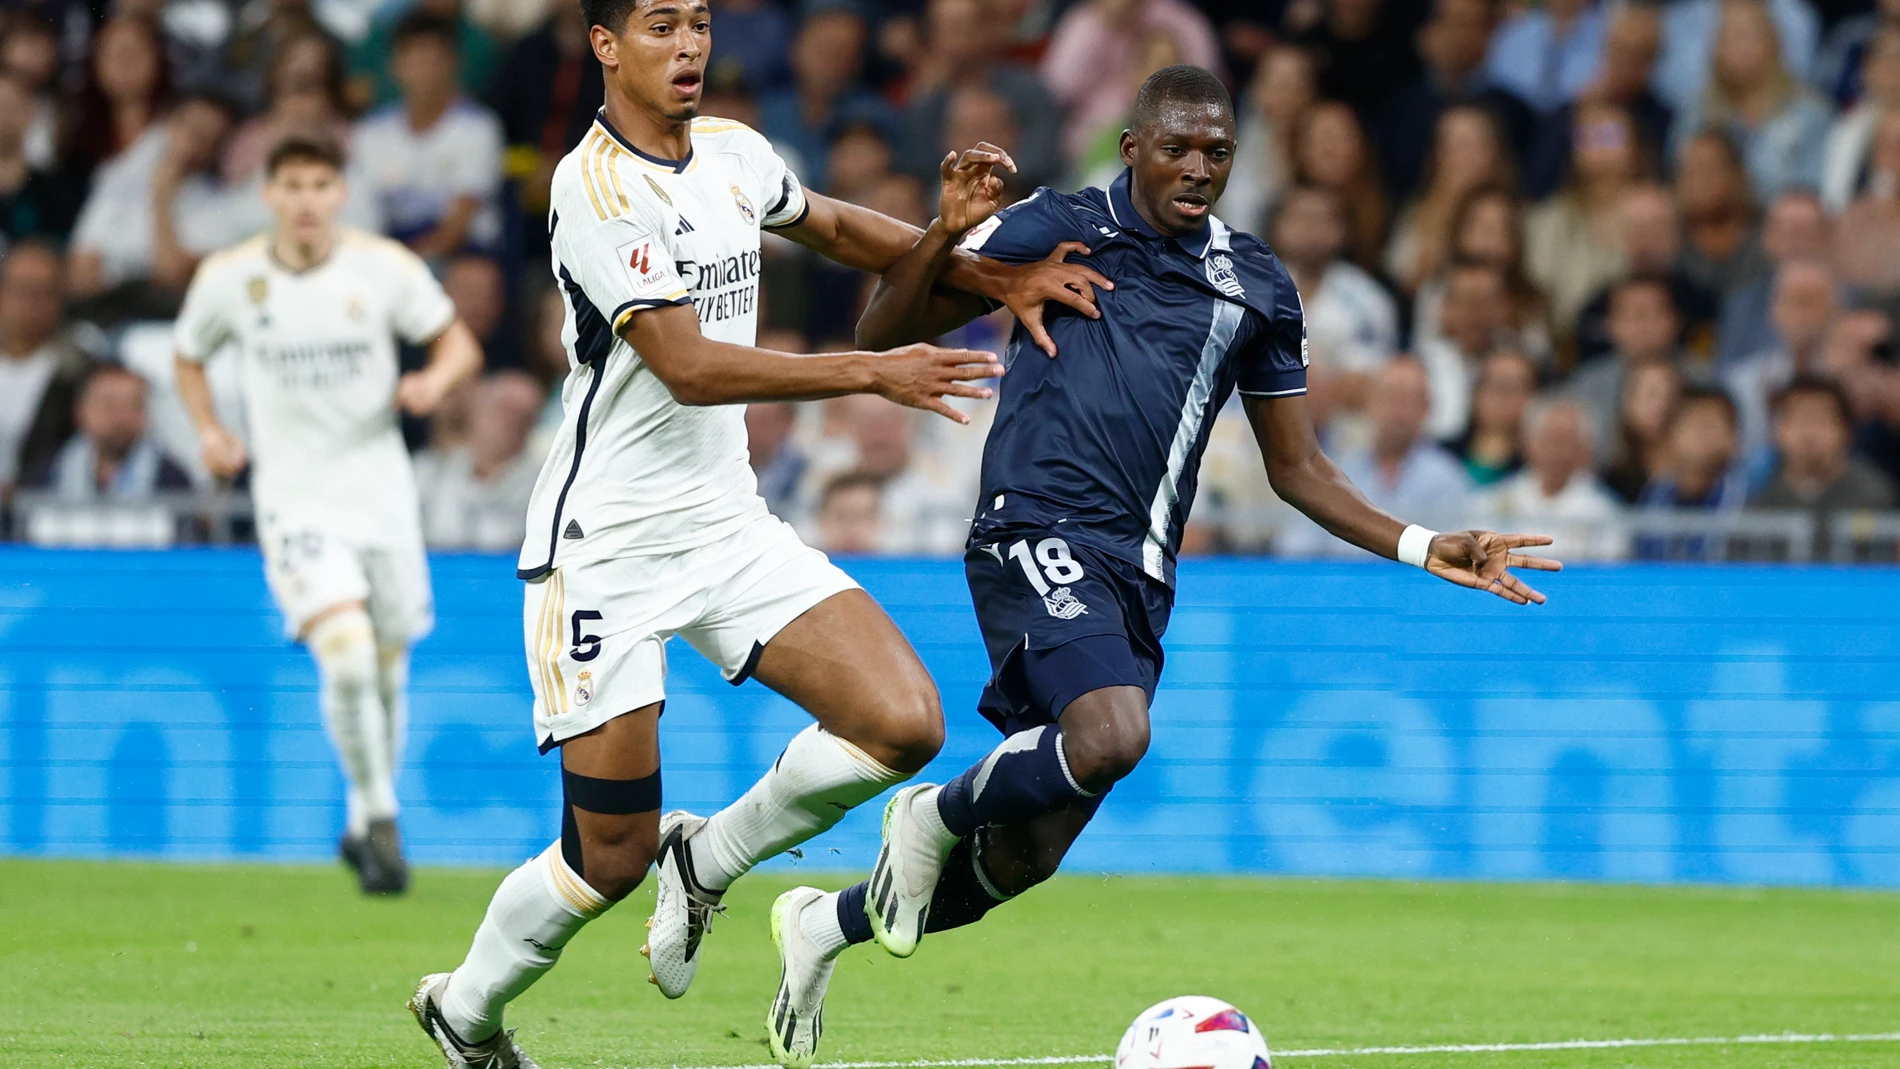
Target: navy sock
[[852, 920], [963, 893], [1026, 777]]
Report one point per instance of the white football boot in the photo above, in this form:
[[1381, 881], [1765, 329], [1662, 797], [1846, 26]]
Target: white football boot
[[798, 1013], [682, 909], [496, 1052], [908, 865]]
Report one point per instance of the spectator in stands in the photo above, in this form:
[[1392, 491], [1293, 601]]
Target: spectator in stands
[[1651, 229], [1490, 448], [1332, 152], [1795, 227], [1701, 449], [1476, 320], [963, 60], [29, 52], [1488, 227], [1850, 141], [1642, 416], [754, 37], [776, 457], [826, 95], [1402, 472], [977, 113], [1643, 326], [1804, 305], [33, 202], [1284, 88], [1557, 493], [1815, 471], [303, 94], [1452, 45], [242, 68], [1691, 29], [1843, 69], [437, 155], [1468, 153], [475, 496], [554, 89], [154, 212], [1574, 241], [41, 369], [1092, 66], [1779, 124], [1365, 47], [1546, 56], [1718, 214], [479, 290], [849, 516], [128, 87], [375, 64], [925, 508], [1632, 36], [1352, 323], [861, 159], [110, 459], [1869, 230]]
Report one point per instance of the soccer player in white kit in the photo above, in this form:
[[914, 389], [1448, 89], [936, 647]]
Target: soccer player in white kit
[[647, 523], [314, 310]]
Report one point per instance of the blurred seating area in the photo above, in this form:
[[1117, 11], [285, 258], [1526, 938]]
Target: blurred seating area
[[1624, 272]]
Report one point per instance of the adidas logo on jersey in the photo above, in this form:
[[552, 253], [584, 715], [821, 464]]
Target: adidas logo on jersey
[[685, 227], [573, 530]]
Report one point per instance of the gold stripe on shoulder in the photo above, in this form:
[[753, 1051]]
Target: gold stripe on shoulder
[[712, 124], [587, 172], [614, 156], [605, 178]]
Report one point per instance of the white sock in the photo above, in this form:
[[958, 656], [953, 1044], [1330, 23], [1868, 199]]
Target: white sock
[[344, 645], [535, 911], [818, 779], [392, 682], [820, 924]]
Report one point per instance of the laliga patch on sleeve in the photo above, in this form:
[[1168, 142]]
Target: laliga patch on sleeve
[[644, 261], [980, 233]]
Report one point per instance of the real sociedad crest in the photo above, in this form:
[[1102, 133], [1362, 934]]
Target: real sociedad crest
[[1221, 275]]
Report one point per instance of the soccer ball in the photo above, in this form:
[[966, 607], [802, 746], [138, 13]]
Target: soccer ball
[[1193, 1032]]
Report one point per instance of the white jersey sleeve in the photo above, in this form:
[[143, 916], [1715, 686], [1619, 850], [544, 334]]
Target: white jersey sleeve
[[785, 205], [623, 263], [203, 324], [421, 310]]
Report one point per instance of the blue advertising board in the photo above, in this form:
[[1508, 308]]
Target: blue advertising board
[[1651, 724]]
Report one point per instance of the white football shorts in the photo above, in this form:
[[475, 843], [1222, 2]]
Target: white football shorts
[[597, 631], [311, 571]]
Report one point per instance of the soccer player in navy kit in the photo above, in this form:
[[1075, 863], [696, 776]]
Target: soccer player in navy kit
[[1088, 476]]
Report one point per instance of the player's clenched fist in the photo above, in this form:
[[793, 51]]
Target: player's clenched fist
[[223, 453], [921, 376]]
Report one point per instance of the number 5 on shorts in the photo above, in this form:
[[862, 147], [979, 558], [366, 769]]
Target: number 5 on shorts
[[586, 646], [1051, 560]]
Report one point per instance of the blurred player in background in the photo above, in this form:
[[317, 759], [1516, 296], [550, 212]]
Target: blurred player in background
[[1088, 477], [647, 523], [314, 311]]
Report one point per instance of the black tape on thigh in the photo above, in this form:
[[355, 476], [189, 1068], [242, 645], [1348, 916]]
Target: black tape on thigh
[[611, 797]]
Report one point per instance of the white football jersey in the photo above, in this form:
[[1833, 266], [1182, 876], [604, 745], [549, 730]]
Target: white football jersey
[[633, 471], [318, 362]]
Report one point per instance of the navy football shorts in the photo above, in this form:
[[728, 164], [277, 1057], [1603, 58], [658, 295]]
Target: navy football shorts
[[1060, 620]]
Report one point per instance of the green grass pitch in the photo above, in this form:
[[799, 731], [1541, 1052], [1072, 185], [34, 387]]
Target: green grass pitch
[[119, 965]]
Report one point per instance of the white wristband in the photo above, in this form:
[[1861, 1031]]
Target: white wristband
[[1415, 544]]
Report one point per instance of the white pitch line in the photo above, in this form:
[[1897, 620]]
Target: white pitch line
[[1335, 1052]]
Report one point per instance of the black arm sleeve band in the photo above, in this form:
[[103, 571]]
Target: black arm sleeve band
[[611, 797]]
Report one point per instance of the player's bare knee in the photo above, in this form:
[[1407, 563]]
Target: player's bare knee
[[1105, 735], [617, 863], [908, 732]]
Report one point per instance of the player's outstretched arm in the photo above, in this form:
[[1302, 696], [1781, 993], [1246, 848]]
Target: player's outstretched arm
[[869, 241], [910, 302], [700, 371], [1306, 478]]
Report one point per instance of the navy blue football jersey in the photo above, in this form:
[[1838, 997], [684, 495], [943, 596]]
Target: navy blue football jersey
[[1103, 443]]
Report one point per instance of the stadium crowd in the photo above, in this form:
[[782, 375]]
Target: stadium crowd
[[1566, 264]]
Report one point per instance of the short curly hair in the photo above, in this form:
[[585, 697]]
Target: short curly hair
[[1180, 85]]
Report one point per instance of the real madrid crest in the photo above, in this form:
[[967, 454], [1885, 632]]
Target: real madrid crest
[[745, 205], [259, 290], [584, 688], [659, 192], [354, 309], [1221, 275]]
